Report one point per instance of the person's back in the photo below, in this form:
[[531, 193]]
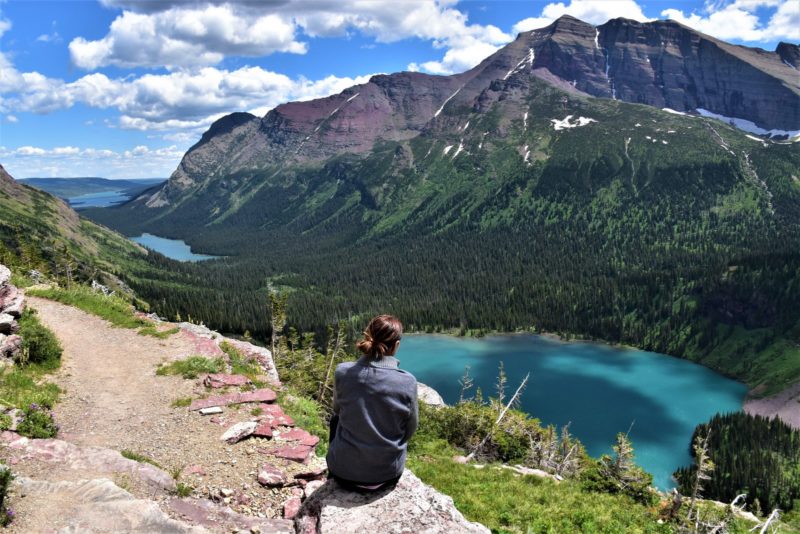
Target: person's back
[[375, 411]]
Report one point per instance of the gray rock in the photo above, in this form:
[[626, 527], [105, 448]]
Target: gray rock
[[210, 411], [220, 518], [239, 431], [10, 346], [90, 460], [8, 324], [90, 506], [429, 396], [411, 506], [5, 275]]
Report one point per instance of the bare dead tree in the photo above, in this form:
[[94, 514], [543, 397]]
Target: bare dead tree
[[466, 384], [703, 472], [517, 393]]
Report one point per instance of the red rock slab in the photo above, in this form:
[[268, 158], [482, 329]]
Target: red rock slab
[[263, 430], [299, 435], [221, 380], [295, 453], [259, 395], [291, 507], [271, 476], [312, 473]]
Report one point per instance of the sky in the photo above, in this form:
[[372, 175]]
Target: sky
[[122, 88]]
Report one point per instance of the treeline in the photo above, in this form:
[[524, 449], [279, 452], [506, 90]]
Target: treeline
[[754, 455]]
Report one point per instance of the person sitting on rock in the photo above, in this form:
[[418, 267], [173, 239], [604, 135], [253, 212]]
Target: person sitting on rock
[[375, 412]]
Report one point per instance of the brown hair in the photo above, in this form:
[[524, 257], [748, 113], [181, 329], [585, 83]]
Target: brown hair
[[380, 336]]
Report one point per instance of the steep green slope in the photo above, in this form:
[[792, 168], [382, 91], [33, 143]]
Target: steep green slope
[[39, 231]]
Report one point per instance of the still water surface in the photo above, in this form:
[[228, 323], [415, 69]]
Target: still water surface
[[171, 248], [599, 389]]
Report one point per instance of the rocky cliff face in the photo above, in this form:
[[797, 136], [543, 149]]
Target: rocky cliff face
[[662, 64]]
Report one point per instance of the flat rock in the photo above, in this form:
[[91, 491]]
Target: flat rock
[[91, 506], [411, 506], [210, 411], [239, 431], [89, 459], [275, 416], [316, 470], [295, 453], [297, 434], [271, 476], [259, 395], [221, 380], [220, 518], [263, 430], [291, 507]]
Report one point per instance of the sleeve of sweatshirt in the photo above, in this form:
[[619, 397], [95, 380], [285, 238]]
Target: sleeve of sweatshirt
[[413, 418]]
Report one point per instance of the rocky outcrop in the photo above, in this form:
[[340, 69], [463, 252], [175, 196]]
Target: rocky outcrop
[[785, 405], [12, 304], [411, 506], [429, 396]]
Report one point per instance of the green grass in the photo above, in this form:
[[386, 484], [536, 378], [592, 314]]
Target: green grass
[[160, 334], [183, 490], [181, 402], [111, 308], [141, 458], [23, 386], [39, 345], [239, 364], [307, 414], [192, 367]]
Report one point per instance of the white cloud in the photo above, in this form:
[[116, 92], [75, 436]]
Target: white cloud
[[193, 34], [12, 118], [181, 100], [138, 162], [49, 38], [590, 11], [5, 25], [740, 20]]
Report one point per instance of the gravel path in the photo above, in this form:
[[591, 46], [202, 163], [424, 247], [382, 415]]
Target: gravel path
[[113, 399]]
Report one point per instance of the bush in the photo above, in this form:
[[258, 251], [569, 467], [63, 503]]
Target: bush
[[6, 514], [192, 367], [37, 423], [39, 344]]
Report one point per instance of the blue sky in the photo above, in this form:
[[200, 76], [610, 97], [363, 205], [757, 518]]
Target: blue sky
[[121, 88]]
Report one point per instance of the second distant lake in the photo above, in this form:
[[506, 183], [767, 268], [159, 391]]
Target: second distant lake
[[103, 199], [171, 248]]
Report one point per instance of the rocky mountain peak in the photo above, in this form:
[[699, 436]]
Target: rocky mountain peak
[[789, 54]]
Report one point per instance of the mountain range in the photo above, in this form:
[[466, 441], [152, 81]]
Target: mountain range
[[577, 180]]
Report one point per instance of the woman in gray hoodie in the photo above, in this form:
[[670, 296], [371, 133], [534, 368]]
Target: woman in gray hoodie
[[375, 412]]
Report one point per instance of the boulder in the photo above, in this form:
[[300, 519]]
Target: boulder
[[239, 431], [429, 396], [10, 346], [12, 301], [271, 476], [5, 275], [259, 395], [8, 324], [221, 380], [411, 506]]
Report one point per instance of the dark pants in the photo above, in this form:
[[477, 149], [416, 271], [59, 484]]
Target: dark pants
[[351, 485]]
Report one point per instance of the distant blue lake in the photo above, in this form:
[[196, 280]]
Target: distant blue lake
[[171, 248], [99, 200], [600, 389]]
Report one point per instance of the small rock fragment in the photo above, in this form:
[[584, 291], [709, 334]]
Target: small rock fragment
[[291, 507], [210, 411], [271, 476], [239, 431]]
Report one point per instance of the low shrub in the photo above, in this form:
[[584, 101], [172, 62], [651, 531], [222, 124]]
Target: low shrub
[[39, 345], [37, 423], [152, 331], [307, 414], [6, 513], [137, 457]]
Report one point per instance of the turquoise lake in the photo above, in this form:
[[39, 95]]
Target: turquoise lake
[[171, 248], [98, 200], [600, 390]]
